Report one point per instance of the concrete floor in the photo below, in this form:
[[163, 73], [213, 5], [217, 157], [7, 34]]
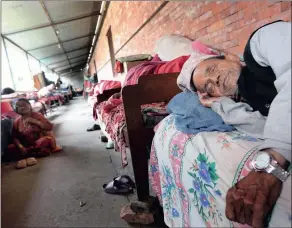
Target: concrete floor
[[49, 194]]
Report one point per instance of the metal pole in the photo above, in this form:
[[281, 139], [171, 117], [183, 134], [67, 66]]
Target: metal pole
[[10, 68], [28, 63]]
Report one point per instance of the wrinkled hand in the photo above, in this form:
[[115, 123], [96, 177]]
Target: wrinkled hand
[[206, 100], [252, 198]]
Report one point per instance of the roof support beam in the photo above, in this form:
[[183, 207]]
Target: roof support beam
[[72, 68], [67, 60], [56, 23], [69, 72], [66, 52], [53, 26], [84, 60], [76, 38]]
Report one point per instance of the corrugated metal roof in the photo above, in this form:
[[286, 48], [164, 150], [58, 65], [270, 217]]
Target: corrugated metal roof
[[55, 32]]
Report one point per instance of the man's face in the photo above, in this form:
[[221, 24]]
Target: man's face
[[217, 77]]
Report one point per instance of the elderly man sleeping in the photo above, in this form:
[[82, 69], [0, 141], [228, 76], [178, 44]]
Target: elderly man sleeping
[[255, 98]]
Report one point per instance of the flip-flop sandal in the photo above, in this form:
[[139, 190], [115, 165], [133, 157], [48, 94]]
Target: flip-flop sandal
[[95, 127], [125, 179], [117, 188]]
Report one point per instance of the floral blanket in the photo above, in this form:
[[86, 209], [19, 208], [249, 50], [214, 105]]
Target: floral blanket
[[191, 174]]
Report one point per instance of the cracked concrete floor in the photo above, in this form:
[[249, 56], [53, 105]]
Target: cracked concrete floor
[[49, 194]]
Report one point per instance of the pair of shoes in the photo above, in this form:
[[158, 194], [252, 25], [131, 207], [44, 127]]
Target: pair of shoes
[[26, 162], [95, 127], [121, 185]]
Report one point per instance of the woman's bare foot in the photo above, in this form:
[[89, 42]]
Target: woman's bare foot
[[57, 149], [31, 161], [21, 164]]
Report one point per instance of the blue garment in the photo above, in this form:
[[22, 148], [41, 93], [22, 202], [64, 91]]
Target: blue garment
[[191, 117]]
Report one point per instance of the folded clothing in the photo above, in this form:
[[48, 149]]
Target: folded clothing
[[192, 117]]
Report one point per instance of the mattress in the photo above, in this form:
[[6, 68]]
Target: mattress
[[191, 174]]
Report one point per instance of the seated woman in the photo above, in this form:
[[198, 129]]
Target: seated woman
[[31, 134]]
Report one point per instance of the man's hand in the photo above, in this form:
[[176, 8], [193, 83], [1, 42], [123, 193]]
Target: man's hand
[[252, 198], [206, 100]]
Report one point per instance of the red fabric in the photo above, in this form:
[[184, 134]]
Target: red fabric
[[43, 147], [6, 107], [99, 88], [113, 115], [173, 66], [87, 84], [156, 58], [155, 66], [104, 85], [113, 102], [118, 67], [144, 68], [45, 142], [28, 134], [7, 111]]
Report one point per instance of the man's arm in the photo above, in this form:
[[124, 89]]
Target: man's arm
[[271, 46]]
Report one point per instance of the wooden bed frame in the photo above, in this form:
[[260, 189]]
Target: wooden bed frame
[[150, 89]]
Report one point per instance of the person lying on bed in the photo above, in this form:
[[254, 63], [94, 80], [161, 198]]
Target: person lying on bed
[[46, 91], [32, 134], [265, 85]]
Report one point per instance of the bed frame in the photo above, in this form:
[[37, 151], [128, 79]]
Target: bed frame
[[107, 94], [150, 89]]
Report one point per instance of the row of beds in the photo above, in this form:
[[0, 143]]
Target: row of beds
[[139, 139], [41, 105]]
